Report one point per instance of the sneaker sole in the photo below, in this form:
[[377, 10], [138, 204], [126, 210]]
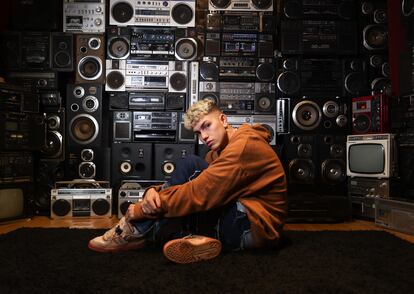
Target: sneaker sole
[[183, 251], [126, 247]]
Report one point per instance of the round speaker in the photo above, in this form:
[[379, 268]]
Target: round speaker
[[220, 3], [354, 83], [87, 155], [264, 104], [123, 207], [90, 68], [385, 69], [361, 123], [381, 85], [209, 71], [337, 150], [271, 131], [83, 129], [62, 58], [178, 81], [100, 206], [94, 43], [125, 167], [53, 122], [330, 109], [78, 92], [168, 168], [380, 16], [293, 9], [53, 146], [290, 64], [376, 61], [115, 79], [90, 104], [262, 4], [367, 7], [265, 72], [407, 8], [87, 170], [341, 121], [118, 48], [61, 207], [186, 49], [375, 37], [212, 97], [288, 82], [305, 150], [333, 171], [182, 13], [301, 170], [307, 115], [122, 12]]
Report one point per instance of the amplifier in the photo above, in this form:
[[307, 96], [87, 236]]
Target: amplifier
[[370, 114], [22, 131], [16, 167], [81, 16], [81, 198], [154, 126], [396, 214], [240, 21], [372, 188], [131, 192], [13, 98], [240, 5], [152, 42], [34, 81], [325, 9], [318, 37], [152, 13]]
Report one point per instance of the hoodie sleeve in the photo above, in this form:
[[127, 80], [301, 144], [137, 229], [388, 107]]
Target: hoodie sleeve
[[215, 186]]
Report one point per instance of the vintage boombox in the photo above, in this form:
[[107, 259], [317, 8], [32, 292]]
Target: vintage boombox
[[22, 131], [81, 16], [154, 126], [13, 98], [148, 41], [150, 75], [240, 5], [16, 167], [118, 44], [81, 198], [268, 121], [325, 9], [34, 81], [309, 76], [240, 21], [238, 44], [318, 37], [370, 114], [245, 98], [152, 13], [131, 192]]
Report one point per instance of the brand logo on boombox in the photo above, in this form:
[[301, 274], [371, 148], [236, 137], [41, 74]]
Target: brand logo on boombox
[[152, 13]]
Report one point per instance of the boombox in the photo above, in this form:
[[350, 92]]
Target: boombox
[[267, 121], [16, 167], [152, 13], [81, 198], [14, 98], [132, 192], [370, 114], [154, 126], [318, 37], [309, 77], [325, 9], [22, 131], [156, 75], [84, 16], [240, 21], [240, 5]]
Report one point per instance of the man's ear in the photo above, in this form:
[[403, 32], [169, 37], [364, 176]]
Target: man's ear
[[223, 119]]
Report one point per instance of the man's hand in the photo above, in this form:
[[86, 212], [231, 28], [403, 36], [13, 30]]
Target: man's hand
[[151, 203]]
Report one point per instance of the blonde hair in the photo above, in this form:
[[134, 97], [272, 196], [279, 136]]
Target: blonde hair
[[197, 111]]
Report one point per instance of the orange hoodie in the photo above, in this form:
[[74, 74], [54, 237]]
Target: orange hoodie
[[248, 170]]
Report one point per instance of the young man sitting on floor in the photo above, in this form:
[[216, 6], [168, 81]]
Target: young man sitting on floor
[[235, 198]]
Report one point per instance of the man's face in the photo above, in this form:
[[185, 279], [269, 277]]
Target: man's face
[[211, 130]]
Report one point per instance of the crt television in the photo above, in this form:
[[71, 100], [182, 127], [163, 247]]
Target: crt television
[[371, 156]]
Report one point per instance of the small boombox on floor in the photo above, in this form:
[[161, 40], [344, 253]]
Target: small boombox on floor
[[131, 192], [81, 197]]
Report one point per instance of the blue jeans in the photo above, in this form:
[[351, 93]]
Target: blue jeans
[[229, 224]]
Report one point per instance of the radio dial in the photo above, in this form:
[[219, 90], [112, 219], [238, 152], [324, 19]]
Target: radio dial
[[98, 9], [98, 22]]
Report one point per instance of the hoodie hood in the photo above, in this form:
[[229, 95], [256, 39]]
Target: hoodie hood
[[261, 131]]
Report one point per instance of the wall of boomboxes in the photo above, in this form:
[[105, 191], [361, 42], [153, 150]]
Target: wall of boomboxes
[[112, 79]]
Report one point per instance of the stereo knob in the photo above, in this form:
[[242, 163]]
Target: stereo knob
[[98, 22]]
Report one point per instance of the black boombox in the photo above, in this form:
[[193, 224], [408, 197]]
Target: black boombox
[[241, 21], [12, 98], [319, 37], [22, 131], [154, 126]]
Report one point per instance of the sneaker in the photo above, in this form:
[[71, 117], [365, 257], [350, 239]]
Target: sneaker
[[192, 248], [122, 237]]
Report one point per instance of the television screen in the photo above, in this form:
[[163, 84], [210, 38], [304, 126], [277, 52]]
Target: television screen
[[11, 203], [366, 158]]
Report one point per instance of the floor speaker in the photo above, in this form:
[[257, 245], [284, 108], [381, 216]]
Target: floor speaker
[[167, 157]]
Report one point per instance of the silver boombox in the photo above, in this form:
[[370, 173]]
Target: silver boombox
[[84, 16], [240, 5], [167, 13], [81, 198]]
